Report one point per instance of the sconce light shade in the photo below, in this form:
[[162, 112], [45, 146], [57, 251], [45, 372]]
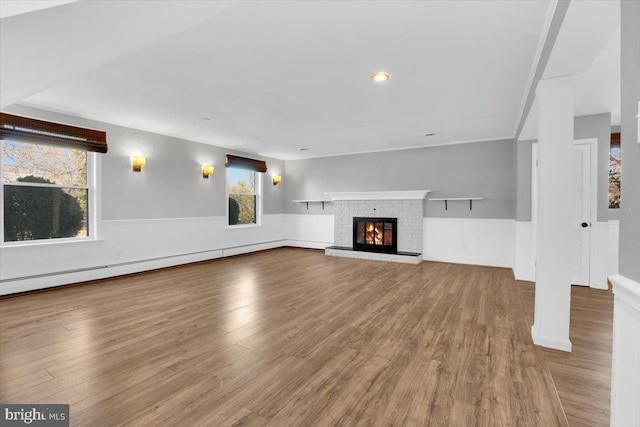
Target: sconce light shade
[[207, 170], [277, 179], [138, 162]]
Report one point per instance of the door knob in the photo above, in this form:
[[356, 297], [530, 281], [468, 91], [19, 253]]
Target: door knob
[[584, 224]]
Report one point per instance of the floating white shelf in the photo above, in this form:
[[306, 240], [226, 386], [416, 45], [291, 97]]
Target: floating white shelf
[[312, 201], [455, 199], [379, 195]]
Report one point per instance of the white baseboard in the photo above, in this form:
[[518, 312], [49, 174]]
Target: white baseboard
[[307, 244], [245, 249], [549, 342]]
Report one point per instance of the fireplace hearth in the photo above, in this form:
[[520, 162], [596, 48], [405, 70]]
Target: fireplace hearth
[[375, 235]]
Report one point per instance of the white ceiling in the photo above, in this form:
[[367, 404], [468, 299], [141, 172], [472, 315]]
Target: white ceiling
[[278, 76], [588, 46], [18, 7]]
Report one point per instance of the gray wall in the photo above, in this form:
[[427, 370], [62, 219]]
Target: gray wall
[[598, 126], [630, 157], [523, 165], [171, 184], [483, 169]]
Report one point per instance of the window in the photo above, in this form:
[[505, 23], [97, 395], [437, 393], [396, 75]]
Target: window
[[243, 189], [614, 172], [47, 189]]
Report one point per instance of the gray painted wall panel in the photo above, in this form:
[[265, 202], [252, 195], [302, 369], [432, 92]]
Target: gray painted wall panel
[[523, 164], [171, 184], [630, 157], [483, 169]]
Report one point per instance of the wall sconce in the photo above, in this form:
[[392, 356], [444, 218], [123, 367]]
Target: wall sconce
[[207, 170], [138, 162], [277, 179]]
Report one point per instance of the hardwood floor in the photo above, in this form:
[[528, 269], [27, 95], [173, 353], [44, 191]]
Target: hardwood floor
[[583, 377], [286, 337]]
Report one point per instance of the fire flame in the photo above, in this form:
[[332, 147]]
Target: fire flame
[[374, 234]]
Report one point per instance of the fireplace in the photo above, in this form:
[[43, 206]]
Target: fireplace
[[375, 235]]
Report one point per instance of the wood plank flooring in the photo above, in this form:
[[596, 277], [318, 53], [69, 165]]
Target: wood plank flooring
[[286, 337], [582, 377]]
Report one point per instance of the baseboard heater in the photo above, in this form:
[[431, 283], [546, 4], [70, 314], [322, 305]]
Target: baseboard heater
[[129, 263]]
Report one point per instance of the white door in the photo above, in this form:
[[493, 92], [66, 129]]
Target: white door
[[581, 206]]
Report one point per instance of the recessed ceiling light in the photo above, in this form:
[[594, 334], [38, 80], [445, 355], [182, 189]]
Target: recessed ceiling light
[[380, 77], [429, 134], [205, 119]]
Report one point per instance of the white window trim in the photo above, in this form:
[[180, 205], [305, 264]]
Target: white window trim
[[258, 194], [93, 202]]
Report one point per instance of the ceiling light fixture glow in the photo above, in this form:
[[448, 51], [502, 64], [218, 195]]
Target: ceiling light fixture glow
[[380, 77]]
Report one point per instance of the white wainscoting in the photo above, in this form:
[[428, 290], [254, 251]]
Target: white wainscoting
[[614, 247], [470, 241], [130, 246], [309, 231], [604, 251], [459, 240], [599, 255], [625, 372], [525, 268]]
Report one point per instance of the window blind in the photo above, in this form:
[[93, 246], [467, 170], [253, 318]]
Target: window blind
[[25, 129], [246, 163]]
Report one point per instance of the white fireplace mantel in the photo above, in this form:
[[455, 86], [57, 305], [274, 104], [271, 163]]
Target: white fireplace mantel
[[379, 195]]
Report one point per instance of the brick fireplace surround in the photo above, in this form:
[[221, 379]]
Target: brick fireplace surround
[[407, 206]]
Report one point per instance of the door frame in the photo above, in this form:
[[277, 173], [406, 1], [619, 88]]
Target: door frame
[[593, 208], [534, 208], [593, 152]]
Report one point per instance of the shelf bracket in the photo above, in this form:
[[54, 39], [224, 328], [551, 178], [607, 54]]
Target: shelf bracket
[[307, 205], [323, 205], [445, 204], [470, 204]]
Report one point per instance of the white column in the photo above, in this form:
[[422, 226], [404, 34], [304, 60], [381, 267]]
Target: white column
[[553, 258]]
